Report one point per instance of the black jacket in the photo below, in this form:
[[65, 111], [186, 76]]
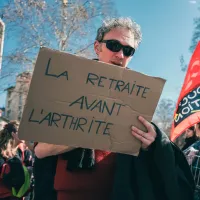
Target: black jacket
[[162, 173], [189, 142]]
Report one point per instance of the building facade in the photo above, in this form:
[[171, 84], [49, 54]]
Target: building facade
[[16, 96], [3, 120]]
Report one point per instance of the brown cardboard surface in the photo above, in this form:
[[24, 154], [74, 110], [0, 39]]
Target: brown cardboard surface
[[85, 103]]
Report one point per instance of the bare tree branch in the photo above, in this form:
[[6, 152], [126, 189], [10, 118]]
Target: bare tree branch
[[164, 114], [53, 23]]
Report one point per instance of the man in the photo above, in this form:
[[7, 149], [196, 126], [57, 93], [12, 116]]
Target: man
[[93, 174]]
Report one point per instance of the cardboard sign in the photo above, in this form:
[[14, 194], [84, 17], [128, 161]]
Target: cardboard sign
[[85, 103]]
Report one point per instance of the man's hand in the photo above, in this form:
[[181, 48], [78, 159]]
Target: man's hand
[[147, 138]]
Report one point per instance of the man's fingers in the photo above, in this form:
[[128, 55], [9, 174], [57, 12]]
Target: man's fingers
[[145, 142], [146, 123], [141, 133], [138, 131], [147, 138]]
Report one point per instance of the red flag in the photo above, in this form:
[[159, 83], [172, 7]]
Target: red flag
[[187, 111]]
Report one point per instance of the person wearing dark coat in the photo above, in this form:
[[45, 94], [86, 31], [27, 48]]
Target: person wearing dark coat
[[160, 172]]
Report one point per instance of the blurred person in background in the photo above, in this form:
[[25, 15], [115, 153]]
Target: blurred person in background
[[191, 137], [197, 129], [15, 164]]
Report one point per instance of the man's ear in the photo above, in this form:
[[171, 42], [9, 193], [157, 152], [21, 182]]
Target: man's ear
[[97, 47]]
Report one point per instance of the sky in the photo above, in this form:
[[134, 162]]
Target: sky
[[167, 27]]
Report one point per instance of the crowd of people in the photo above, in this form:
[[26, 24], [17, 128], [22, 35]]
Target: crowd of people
[[191, 150], [57, 172], [16, 164]]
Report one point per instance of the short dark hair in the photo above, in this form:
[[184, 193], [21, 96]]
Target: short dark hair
[[192, 128], [12, 126]]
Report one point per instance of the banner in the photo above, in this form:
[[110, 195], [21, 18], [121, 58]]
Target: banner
[[187, 111]]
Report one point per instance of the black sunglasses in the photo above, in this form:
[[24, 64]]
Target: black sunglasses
[[116, 46]]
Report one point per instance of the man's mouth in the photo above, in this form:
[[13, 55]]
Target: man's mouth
[[117, 63]]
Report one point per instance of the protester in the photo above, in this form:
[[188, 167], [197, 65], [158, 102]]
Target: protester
[[194, 149], [193, 157], [86, 174], [14, 160], [191, 137]]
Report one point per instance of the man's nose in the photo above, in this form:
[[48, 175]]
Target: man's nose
[[120, 54]]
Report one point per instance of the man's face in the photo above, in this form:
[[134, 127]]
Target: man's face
[[125, 37]]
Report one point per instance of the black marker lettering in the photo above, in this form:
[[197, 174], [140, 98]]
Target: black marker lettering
[[80, 124], [91, 77], [30, 118]]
